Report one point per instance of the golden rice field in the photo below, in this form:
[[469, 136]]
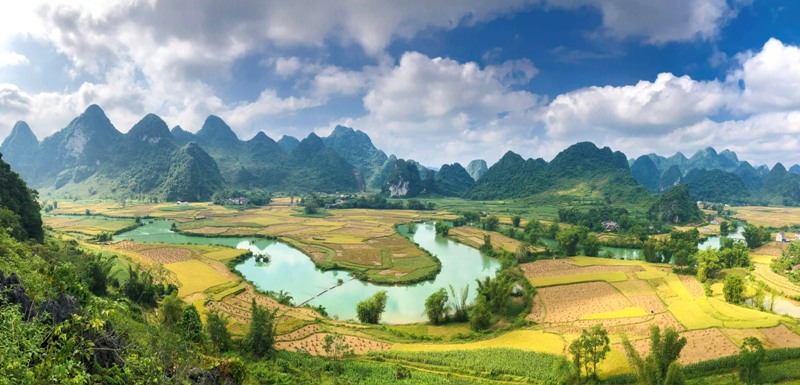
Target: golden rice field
[[473, 236], [531, 340], [87, 225], [768, 216], [630, 296]]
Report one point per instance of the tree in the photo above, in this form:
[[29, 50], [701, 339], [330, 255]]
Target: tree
[[733, 288], [217, 331], [755, 236], [442, 229], [522, 252], [190, 326], [591, 245], [496, 291], [734, 254], [436, 306], [459, 301], [370, 310], [589, 349], [490, 223], [650, 250], [480, 317], [708, 264], [260, 339], [97, 272], [749, 359], [660, 367], [515, 220], [724, 228], [311, 207], [336, 346], [568, 240], [486, 247], [170, 310]]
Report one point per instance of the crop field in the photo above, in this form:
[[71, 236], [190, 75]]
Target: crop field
[[530, 340], [776, 281], [626, 297], [768, 216], [643, 295], [473, 236], [87, 225]]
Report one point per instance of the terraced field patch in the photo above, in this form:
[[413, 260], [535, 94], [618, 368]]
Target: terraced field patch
[[530, 340], [87, 225]]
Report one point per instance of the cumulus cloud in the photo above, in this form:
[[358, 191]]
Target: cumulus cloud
[[646, 108], [770, 77], [12, 59], [659, 21], [754, 111], [455, 109]]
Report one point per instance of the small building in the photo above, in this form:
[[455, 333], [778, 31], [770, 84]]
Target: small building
[[714, 222], [780, 237], [610, 226], [797, 236]]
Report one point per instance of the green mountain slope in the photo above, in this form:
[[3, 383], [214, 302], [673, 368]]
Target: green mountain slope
[[357, 149], [19, 210], [716, 186], [477, 168], [646, 173], [21, 148], [453, 180]]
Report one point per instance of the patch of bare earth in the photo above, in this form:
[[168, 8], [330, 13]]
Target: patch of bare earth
[[780, 337], [561, 267], [166, 255], [313, 344], [571, 302], [703, 345], [301, 333]]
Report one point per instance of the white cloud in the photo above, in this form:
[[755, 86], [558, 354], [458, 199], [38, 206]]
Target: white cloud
[[12, 59], [771, 78], [439, 110], [647, 108], [659, 21]]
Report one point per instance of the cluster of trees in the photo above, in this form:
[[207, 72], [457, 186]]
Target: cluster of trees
[[252, 197], [594, 217], [731, 254], [379, 202], [755, 236], [787, 263]]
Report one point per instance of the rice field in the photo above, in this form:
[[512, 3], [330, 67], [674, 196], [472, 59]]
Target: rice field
[[473, 236], [768, 216], [87, 225], [529, 340]]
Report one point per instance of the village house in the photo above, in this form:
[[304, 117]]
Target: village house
[[610, 226], [780, 237], [714, 222]]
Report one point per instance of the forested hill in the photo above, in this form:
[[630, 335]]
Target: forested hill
[[582, 170], [19, 210]]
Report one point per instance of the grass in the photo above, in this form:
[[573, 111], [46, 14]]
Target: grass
[[615, 276]]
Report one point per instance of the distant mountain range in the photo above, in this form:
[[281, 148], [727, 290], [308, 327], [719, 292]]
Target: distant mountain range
[[719, 177], [90, 157]]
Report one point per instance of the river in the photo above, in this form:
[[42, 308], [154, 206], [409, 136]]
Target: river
[[294, 272]]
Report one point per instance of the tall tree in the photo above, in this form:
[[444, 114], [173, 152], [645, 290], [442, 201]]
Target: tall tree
[[190, 326], [436, 306], [589, 349], [217, 330], [660, 367], [260, 338], [749, 359], [370, 309]]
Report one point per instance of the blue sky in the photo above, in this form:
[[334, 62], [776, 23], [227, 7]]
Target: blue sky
[[435, 81]]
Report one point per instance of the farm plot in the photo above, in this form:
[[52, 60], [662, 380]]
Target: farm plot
[[87, 225], [769, 216], [529, 340], [776, 281], [314, 344], [473, 236], [572, 302]]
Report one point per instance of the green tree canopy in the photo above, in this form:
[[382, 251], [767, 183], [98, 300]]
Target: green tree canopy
[[370, 310]]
